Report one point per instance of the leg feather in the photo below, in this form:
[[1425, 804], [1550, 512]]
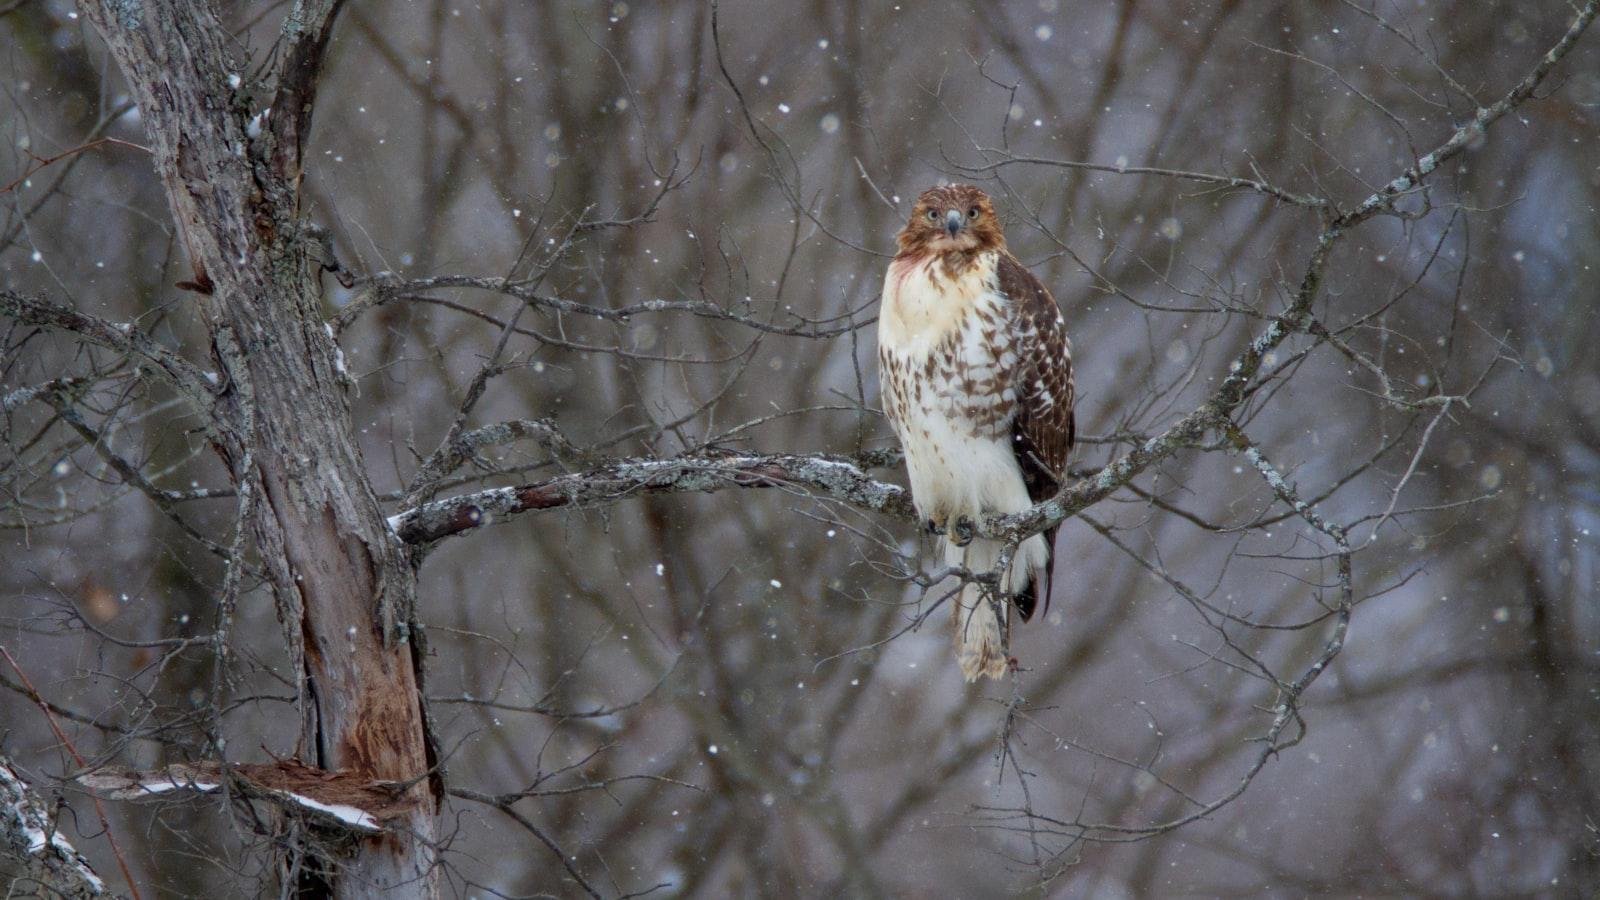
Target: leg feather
[[979, 628]]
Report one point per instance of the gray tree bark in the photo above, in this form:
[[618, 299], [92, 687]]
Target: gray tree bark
[[279, 418], [29, 834]]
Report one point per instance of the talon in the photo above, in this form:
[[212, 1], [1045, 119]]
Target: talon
[[1012, 665], [933, 526], [963, 532]]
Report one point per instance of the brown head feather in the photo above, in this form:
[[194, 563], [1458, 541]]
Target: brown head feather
[[928, 234]]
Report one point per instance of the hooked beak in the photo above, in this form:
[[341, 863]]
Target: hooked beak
[[952, 221]]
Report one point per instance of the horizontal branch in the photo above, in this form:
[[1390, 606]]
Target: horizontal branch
[[827, 477], [121, 337], [386, 286], [1225, 181], [22, 395], [336, 799], [40, 162]]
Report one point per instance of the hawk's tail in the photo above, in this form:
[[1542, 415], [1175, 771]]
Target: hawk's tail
[[1036, 596], [979, 627]]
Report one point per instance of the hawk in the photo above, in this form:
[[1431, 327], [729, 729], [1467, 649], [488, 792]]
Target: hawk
[[976, 375]]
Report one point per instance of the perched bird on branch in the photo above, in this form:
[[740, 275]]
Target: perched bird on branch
[[976, 375]]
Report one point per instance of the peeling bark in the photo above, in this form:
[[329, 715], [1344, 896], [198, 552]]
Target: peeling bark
[[336, 800]]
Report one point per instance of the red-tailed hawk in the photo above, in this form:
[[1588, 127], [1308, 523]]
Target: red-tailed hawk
[[976, 375]]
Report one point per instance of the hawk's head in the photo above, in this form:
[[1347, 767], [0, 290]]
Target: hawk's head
[[952, 218]]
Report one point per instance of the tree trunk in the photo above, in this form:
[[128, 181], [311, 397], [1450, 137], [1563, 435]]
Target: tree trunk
[[280, 420]]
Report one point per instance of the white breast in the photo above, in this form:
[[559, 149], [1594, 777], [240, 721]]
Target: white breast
[[946, 373]]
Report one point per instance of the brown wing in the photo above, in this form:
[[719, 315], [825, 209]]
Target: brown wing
[[1044, 428]]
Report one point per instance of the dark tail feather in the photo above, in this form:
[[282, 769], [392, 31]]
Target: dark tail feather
[[1038, 592]]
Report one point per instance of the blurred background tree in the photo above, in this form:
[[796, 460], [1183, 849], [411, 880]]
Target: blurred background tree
[[610, 256]]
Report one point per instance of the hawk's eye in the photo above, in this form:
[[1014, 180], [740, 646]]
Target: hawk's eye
[[933, 215], [972, 213]]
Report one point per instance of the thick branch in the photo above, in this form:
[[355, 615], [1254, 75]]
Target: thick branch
[[829, 477], [29, 833], [457, 450], [338, 800], [305, 35]]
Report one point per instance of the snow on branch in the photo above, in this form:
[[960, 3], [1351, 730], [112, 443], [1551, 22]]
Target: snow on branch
[[834, 478], [28, 833], [336, 799]]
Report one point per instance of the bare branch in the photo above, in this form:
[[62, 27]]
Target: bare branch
[[123, 337], [1229, 181], [828, 477]]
